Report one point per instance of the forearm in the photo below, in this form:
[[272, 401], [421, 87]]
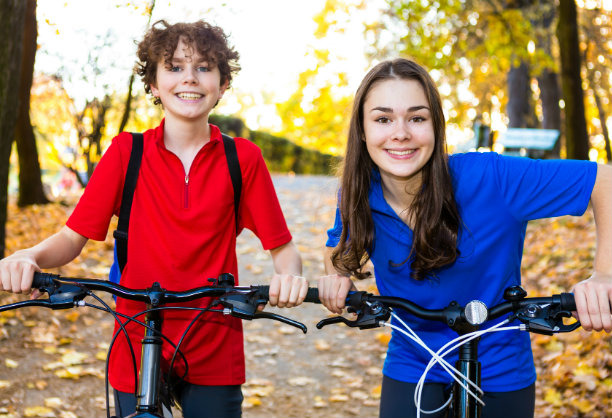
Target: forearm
[[57, 250], [329, 266], [286, 259], [601, 201]]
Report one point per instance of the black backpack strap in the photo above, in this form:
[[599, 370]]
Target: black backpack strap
[[234, 169], [129, 185]]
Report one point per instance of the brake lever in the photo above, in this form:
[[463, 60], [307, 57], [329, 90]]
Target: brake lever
[[547, 320], [370, 316], [280, 318], [60, 297], [244, 306]]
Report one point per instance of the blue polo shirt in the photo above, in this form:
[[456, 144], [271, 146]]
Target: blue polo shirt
[[496, 196]]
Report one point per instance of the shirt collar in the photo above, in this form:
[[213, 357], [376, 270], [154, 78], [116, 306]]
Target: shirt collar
[[215, 133], [377, 199]]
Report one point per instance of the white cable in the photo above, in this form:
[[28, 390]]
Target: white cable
[[452, 371], [443, 363], [460, 341], [467, 337], [437, 357]]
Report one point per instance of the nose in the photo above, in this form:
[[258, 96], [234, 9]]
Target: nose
[[190, 76], [402, 131]]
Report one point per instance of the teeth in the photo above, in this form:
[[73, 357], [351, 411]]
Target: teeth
[[189, 96], [401, 152]]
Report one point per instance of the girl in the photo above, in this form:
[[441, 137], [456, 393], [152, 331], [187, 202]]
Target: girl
[[441, 227]]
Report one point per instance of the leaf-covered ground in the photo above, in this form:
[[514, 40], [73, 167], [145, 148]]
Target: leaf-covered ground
[[52, 363]]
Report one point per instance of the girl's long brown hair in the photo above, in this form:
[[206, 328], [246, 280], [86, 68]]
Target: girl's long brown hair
[[434, 208]]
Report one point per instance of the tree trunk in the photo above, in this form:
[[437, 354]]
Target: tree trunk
[[12, 16], [577, 139], [602, 116], [604, 127], [550, 94], [518, 108], [128, 106], [548, 80], [128, 100], [30, 181]]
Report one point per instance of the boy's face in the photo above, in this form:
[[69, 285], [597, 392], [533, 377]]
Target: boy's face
[[190, 87]]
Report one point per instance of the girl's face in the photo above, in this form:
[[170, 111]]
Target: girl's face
[[189, 88], [399, 132]]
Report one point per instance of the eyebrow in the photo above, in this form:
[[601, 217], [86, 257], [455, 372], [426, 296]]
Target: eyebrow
[[181, 60], [390, 110]]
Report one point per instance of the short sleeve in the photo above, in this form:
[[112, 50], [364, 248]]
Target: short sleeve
[[101, 198], [260, 210], [534, 189], [334, 233]]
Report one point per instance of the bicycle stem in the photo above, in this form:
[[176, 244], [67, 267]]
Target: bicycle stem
[[149, 374], [465, 405]]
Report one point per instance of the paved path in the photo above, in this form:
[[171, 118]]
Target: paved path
[[334, 372]]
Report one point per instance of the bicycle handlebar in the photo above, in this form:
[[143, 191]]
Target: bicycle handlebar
[[239, 301], [540, 314]]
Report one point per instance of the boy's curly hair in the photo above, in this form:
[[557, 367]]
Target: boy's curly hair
[[161, 40]]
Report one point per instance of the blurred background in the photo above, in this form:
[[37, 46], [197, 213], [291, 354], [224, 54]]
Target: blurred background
[[529, 64]]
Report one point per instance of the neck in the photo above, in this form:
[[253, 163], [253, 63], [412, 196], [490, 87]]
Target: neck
[[185, 134], [400, 193]]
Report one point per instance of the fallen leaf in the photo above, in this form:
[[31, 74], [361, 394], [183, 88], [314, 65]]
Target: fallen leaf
[[73, 315], [553, 397], [301, 381], [11, 364], [322, 345], [53, 402], [383, 338], [38, 412]]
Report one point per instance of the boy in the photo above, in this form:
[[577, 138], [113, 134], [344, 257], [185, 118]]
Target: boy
[[182, 225]]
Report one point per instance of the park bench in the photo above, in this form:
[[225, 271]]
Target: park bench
[[533, 143]]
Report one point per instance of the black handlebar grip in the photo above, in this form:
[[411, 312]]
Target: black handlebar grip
[[567, 302], [313, 295], [43, 279]]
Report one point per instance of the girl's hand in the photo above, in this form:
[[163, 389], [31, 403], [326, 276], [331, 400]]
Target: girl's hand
[[287, 290], [333, 290], [593, 300], [17, 272]]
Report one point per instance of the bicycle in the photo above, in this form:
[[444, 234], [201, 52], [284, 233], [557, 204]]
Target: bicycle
[[542, 315], [154, 389]]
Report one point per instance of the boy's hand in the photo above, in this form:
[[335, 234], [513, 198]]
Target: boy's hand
[[333, 290], [593, 302], [17, 272], [287, 290]]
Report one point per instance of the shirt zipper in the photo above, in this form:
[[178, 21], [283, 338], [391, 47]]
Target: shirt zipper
[[186, 191]]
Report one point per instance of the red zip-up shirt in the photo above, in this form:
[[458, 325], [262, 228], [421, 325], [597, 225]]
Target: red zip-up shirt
[[182, 232]]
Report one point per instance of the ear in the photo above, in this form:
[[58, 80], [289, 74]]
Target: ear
[[223, 87], [154, 90]]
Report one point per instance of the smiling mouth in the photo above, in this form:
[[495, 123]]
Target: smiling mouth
[[407, 152], [190, 96]]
